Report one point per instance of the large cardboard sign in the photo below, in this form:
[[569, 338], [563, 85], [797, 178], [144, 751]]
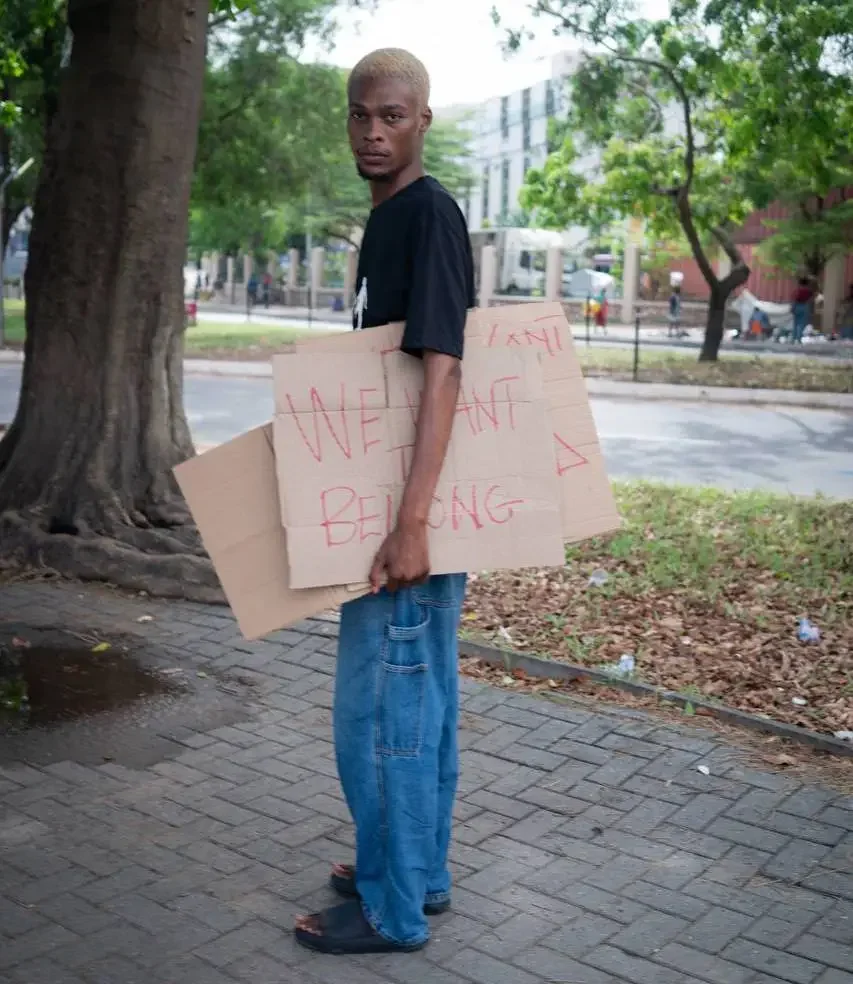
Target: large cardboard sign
[[232, 493], [586, 499], [232, 490], [344, 432]]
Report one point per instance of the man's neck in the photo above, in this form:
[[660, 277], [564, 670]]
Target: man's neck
[[381, 191]]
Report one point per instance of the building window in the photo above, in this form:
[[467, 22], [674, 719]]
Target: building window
[[525, 118], [527, 164], [486, 193], [505, 117], [505, 187], [550, 101]]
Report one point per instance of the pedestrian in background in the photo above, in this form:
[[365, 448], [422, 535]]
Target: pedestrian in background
[[674, 318], [801, 308], [601, 313], [846, 320]]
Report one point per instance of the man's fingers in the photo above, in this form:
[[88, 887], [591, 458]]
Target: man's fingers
[[376, 572]]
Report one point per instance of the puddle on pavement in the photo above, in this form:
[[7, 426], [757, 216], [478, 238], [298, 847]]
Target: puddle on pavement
[[50, 684]]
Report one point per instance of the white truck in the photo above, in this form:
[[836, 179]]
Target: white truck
[[520, 260]]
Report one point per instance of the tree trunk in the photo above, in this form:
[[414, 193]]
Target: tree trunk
[[714, 326], [85, 470], [721, 291]]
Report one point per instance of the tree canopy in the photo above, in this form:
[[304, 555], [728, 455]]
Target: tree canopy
[[32, 42], [688, 121], [285, 164]]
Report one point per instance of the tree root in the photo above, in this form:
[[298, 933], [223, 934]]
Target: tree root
[[175, 570], [158, 541]]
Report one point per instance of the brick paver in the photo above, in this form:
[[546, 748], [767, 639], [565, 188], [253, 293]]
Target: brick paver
[[589, 848]]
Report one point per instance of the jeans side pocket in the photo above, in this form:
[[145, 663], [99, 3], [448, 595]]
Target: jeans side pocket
[[402, 689]]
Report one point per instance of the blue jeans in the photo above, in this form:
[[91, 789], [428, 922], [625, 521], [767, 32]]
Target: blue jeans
[[802, 313], [395, 719]]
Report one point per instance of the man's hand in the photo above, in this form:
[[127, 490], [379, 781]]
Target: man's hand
[[403, 559]]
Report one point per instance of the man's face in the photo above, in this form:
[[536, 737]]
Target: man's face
[[386, 127]]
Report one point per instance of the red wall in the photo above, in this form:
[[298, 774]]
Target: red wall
[[765, 282]]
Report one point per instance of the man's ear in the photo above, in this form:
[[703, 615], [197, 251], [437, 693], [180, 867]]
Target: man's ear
[[426, 120]]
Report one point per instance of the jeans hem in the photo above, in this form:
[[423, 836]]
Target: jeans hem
[[376, 926]]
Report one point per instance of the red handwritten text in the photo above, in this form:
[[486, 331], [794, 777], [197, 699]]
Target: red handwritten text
[[348, 517]]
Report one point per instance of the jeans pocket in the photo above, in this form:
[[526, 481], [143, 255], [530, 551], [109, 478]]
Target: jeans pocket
[[403, 683]]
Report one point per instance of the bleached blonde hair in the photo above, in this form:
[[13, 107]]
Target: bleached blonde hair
[[393, 63]]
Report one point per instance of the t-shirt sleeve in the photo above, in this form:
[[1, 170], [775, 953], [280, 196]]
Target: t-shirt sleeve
[[438, 294]]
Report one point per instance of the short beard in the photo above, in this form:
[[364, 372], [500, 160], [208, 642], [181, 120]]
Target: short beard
[[375, 178]]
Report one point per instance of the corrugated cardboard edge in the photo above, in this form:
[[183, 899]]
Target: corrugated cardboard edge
[[252, 568]]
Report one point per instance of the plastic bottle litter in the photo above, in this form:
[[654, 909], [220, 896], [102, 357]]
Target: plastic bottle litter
[[799, 701], [808, 632], [624, 668], [598, 578]]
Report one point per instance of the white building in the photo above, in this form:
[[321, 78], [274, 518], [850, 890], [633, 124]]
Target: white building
[[510, 135]]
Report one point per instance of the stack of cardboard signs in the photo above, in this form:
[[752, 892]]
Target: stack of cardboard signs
[[292, 513]]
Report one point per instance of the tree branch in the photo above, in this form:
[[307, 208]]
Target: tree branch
[[728, 245], [647, 95], [668, 70], [685, 215]]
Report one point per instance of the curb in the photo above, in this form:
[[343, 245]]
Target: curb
[[673, 392], [550, 669]]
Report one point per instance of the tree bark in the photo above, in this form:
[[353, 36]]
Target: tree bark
[[714, 326], [721, 291], [85, 469]]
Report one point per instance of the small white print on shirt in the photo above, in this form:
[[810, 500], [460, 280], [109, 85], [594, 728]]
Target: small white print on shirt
[[360, 304]]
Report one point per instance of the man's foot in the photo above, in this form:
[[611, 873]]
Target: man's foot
[[344, 929], [342, 881]]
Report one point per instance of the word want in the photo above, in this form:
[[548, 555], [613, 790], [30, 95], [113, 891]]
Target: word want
[[357, 431]]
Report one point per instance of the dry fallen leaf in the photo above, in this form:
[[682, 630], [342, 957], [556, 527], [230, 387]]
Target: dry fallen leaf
[[102, 647], [781, 759], [19, 643]]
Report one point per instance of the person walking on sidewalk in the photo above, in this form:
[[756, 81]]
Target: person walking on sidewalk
[[396, 696], [802, 306]]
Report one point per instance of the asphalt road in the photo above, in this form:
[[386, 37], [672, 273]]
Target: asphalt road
[[735, 447]]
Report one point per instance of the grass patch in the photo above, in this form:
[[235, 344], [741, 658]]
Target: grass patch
[[223, 339], [751, 372], [229, 340], [14, 321], [704, 588]]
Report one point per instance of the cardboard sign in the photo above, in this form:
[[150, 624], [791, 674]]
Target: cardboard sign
[[586, 499], [232, 493], [344, 432]]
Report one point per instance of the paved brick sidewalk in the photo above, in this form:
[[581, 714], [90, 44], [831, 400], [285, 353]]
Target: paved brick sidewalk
[[589, 849]]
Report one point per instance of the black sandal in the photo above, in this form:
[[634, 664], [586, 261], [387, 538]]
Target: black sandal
[[344, 930], [345, 887]]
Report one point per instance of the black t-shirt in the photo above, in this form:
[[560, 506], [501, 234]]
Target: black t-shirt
[[416, 266]]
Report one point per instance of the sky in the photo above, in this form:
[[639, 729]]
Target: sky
[[457, 42]]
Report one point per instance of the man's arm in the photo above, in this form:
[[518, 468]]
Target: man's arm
[[404, 557], [440, 294]]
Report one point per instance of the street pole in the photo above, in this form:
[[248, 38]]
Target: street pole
[[637, 347], [588, 303], [6, 181]]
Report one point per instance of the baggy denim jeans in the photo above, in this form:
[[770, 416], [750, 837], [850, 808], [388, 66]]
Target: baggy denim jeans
[[395, 718]]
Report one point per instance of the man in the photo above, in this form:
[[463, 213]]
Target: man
[[396, 700]]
